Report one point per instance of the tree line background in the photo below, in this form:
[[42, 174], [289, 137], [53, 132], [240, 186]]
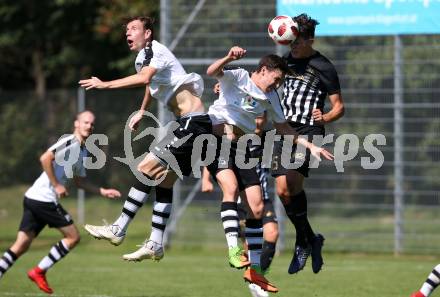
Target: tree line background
[[47, 46]]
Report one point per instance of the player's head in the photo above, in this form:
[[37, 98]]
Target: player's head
[[302, 46], [139, 31], [270, 72], [84, 124]]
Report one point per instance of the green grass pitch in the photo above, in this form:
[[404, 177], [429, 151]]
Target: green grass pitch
[[95, 268]]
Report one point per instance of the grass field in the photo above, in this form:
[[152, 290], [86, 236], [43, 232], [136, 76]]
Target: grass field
[[95, 268]]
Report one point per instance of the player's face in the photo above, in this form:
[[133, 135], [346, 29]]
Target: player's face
[[84, 124], [271, 79], [300, 48], [136, 35]]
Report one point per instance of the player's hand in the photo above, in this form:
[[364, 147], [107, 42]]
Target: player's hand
[[317, 152], [317, 116], [236, 53], [135, 120], [216, 88], [61, 191], [207, 186], [92, 83], [110, 193]]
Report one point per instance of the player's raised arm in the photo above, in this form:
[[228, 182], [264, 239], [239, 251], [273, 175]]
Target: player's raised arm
[[216, 68]]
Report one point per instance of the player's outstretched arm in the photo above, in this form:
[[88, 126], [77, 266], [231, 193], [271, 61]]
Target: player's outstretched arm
[[317, 152], [143, 77], [82, 183], [216, 68]]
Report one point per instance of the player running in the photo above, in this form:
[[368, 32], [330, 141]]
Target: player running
[[41, 204]]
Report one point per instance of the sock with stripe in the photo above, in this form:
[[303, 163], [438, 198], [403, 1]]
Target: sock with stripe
[[6, 261], [137, 196], [229, 216], [254, 240], [161, 213], [56, 253], [431, 282]]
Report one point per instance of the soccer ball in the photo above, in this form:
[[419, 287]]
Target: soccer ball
[[282, 29]]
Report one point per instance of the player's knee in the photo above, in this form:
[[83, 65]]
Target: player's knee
[[73, 240], [257, 210], [21, 248], [284, 194], [271, 233], [229, 194]]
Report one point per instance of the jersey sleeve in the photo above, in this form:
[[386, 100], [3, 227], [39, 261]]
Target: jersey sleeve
[[158, 60], [330, 79], [62, 143], [231, 75]]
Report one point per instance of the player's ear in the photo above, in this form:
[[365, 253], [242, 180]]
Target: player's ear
[[148, 34], [76, 124]]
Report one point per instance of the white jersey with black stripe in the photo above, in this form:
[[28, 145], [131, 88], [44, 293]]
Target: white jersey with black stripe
[[69, 149], [170, 74], [241, 101]]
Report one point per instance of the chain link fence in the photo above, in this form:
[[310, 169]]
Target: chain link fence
[[354, 209]]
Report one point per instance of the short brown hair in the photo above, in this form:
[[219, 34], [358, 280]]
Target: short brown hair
[[147, 21], [273, 62]]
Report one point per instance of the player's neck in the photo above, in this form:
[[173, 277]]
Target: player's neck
[[79, 137], [148, 43], [305, 54]]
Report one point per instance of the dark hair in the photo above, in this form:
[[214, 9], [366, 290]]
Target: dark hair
[[273, 62], [147, 21], [306, 26]]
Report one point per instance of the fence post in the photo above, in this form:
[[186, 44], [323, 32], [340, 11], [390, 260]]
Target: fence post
[[398, 144], [81, 106]]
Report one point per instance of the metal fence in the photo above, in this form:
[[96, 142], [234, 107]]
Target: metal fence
[[390, 86]]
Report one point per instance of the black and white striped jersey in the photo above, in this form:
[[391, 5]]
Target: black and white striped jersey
[[307, 85]]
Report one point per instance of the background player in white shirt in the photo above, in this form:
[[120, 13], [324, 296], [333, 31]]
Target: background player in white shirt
[[242, 98], [164, 79], [41, 205]]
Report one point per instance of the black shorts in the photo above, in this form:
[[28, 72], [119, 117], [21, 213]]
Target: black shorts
[[245, 177], [189, 125], [37, 214], [302, 160]]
